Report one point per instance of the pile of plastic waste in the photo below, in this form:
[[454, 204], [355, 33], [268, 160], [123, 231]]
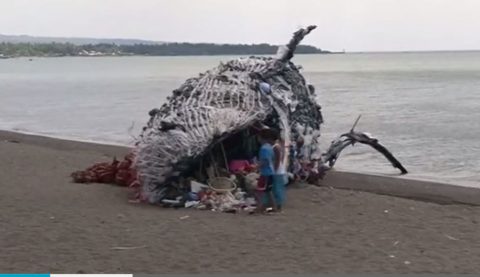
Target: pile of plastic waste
[[117, 172]]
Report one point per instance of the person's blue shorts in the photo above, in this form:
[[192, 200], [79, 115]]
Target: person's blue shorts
[[278, 189]]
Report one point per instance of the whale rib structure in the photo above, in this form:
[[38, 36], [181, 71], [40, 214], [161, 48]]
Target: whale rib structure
[[219, 103]]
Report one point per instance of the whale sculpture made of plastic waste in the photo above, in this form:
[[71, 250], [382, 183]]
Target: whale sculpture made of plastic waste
[[222, 101]]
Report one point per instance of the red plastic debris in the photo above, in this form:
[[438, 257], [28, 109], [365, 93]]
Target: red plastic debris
[[117, 172]]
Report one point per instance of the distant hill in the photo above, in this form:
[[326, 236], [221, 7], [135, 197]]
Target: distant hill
[[74, 40], [28, 46], [55, 49]]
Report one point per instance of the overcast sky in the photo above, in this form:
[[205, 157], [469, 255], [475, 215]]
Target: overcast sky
[[353, 25]]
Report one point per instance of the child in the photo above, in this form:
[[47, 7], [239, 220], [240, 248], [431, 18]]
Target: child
[[280, 173]]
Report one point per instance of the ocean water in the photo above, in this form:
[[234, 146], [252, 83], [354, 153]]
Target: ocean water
[[425, 107]]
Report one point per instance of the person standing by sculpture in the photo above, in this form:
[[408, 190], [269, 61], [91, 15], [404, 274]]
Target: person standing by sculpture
[[266, 157], [280, 173]]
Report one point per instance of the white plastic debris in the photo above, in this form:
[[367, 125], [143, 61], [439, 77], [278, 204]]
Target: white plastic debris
[[190, 204], [239, 194], [250, 201], [196, 187], [127, 247], [450, 237], [251, 180]]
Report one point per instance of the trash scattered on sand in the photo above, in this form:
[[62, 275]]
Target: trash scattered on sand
[[450, 237], [184, 217], [134, 201], [190, 204], [396, 243], [407, 262], [128, 247]]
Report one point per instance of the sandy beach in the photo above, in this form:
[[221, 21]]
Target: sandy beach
[[49, 224]]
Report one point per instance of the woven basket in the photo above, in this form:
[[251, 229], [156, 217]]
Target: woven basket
[[222, 184]]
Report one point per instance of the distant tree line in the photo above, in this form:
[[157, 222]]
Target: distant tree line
[[168, 49]]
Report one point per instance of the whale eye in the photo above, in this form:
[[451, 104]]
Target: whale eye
[[265, 88]]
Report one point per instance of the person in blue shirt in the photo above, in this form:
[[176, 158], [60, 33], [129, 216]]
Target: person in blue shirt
[[266, 157], [266, 166]]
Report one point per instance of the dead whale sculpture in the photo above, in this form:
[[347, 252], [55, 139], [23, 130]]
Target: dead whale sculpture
[[225, 102]]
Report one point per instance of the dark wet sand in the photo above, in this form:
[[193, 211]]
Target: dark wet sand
[[48, 224]]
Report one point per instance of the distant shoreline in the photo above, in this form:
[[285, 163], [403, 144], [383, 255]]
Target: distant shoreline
[[134, 55], [193, 55], [251, 54], [54, 49]]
